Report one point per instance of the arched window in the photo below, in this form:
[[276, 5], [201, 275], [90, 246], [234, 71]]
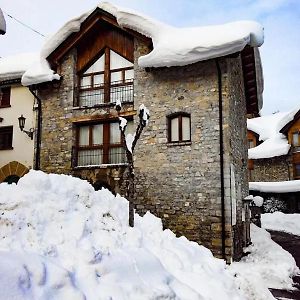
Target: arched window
[[179, 127]]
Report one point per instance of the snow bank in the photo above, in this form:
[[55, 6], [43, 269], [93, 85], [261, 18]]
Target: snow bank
[[195, 44], [267, 266], [59, 239], [14, 66], [281, 222], [276, 187], [268, 128]]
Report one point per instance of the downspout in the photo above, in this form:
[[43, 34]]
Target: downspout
[[221, 156], [39, 129]]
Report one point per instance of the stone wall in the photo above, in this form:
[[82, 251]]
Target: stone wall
[[270, 169], [181, 183]]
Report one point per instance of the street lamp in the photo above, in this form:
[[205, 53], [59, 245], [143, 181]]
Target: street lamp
[[29, 132]]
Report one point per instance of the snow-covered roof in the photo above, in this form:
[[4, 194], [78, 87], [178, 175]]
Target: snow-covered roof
[[14, 66], [2, 23], [268, 128], [276, 187], [172, 46]]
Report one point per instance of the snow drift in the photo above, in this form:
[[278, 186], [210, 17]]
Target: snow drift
[[59, 239]]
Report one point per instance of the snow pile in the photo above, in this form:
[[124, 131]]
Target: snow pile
[[268, 128], [59, 239], [267, 266], [281, 222], [290, 186], [258, 201], [172, 46], [14, 66]]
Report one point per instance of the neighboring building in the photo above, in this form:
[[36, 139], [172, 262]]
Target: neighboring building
[[191, 161], [2, 23], [274, 157], [16, 148]]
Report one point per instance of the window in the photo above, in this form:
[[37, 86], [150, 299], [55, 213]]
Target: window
[[6, 135], [4, 97], [179, 128], [108, 79], [98, 144], [297, 170], [250, 144], [296, 139]]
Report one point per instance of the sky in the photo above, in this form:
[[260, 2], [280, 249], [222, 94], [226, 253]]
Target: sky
[[280, 18]]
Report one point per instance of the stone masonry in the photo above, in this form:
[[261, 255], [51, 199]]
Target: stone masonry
[[180, 183]]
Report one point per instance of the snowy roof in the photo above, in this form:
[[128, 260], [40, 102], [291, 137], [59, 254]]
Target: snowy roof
[[14, 66], [195, 43], [2, 23], [268, 128], [276, 187]]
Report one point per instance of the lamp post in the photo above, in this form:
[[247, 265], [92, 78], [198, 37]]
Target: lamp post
[[29, 132]]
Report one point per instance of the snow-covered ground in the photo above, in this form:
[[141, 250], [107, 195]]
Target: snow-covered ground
[[59, 239], [281, 222]]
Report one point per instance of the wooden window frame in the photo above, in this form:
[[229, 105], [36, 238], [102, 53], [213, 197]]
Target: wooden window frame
[[107, 84], [105, 146], [7, 131], [5, 96], [178, 115], [292, 137]]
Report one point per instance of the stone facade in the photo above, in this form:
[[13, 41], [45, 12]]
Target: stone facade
[[271, 169], [181, 183]]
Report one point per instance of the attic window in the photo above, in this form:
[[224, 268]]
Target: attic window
[[108, 80], [179, 128], [296, 139]]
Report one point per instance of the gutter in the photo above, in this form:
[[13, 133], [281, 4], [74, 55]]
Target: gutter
[[221, 156], [39, 130]]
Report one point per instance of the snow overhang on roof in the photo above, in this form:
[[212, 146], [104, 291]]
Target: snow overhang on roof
[[14, 66], [269, 129], [195, 43], [2, 23]]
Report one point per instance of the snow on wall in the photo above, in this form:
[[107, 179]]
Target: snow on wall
[[268, 128], [195, 43], [276, 187]]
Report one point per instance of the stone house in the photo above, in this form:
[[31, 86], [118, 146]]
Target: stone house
[[191, 160], [16, 148], [274, 158]]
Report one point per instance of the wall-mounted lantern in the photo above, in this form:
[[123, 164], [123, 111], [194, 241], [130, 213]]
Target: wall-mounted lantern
[[29, 132]]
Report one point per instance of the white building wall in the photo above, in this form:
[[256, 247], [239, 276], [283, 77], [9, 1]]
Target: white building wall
[[21, 101]]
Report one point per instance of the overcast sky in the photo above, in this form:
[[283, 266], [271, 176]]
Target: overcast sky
[[280, 18]]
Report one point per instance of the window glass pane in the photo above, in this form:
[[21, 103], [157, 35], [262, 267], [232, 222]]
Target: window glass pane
[[117, 61], [6, 135], [90, 157], [115, 133], [296, 139], [98, 66], [117, 155], [98, 80], [297, 170], [84, 135], [98, 134], [129, 74], [186, 134], [115, 76], [85, 82], [174, 130], [250, 144]]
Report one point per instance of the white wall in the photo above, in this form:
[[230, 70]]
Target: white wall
[[21, 101]]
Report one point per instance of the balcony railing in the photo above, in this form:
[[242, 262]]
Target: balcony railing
[[97, 156], [295, 149], [87, 96]]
